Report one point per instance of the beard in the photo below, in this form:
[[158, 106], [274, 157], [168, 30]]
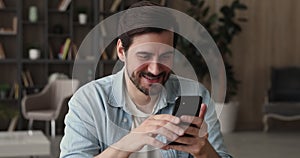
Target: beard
[[154, 88]]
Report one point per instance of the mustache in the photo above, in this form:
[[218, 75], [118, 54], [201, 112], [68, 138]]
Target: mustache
[[162, 74]]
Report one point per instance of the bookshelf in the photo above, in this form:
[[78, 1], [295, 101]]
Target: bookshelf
[[47, 32]]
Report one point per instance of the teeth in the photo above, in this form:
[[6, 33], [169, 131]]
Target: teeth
[[151, 78]]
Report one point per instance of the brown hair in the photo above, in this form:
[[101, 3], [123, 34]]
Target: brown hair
[[146, 16]]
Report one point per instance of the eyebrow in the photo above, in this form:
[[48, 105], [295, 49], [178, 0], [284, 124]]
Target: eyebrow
[[150, 53], [168, 52], [144, 53]]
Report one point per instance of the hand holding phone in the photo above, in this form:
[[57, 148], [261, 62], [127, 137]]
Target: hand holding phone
[[187, 105]]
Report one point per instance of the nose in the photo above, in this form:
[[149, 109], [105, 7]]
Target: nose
[[154, 68]]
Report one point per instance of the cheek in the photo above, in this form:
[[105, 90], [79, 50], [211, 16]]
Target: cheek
[[136, 69], [166, 66]]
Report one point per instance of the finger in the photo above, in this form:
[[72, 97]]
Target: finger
[[154, 142], [190, 130], [193, 149], [202, 110], [187, 140], [183, 148], [203, 129], [166, 117], [157, 124], [192, 120], [170, 135]]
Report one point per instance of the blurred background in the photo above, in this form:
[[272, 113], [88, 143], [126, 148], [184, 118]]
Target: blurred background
[[258, 40]]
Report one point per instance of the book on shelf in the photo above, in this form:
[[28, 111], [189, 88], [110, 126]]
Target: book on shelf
[[63, 5], [74, 50], [11, 92], [16, 91], [50, 52], [64, 49], [104, 56], [10, 30], [25, 80], [15, 25], [115, 5], [103, 30], [114, 53], [70, 53], [29, 78], [2, 52], [2, 4]]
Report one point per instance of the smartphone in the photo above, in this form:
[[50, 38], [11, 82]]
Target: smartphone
[[186, 105]]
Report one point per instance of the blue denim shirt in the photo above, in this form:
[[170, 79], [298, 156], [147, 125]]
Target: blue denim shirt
[[98, 116]]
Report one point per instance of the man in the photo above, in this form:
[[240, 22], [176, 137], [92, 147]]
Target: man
[[128, 114]]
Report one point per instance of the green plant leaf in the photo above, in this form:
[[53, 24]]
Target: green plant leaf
[[228, 13], [205, 11], [238, 5], [200, 4], [223, 28], [193, 2]]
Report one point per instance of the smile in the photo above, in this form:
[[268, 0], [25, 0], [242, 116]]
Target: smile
[[152, 78]]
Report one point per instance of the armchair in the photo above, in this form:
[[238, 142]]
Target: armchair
[[283, 100], [46, 105]]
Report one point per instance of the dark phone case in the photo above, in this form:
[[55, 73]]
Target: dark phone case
[[181, 103], [192, 102]]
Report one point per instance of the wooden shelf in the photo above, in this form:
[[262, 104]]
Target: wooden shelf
[[34, 23], [54, 35], [5, 33], [8, 61], [56, 11], [59, 61], [76, 24], [40, 34], [8, 9], [36, 61]]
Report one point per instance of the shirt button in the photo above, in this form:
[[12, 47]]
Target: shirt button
[[125, 120]]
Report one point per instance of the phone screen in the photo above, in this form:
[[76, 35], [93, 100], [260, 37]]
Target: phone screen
[[187, 105]]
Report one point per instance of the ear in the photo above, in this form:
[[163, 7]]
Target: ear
[[120, 51]]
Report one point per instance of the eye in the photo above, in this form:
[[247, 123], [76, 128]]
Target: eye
[[165, 56], [144, 56]]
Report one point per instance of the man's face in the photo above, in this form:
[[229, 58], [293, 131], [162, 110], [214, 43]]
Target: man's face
[[149, 60]]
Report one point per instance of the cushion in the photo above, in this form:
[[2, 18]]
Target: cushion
[[283, 108], [285, 86]]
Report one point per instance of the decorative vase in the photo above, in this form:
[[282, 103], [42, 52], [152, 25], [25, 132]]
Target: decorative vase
[[33, 14], [34, 54], [227, 115], [82, 18]]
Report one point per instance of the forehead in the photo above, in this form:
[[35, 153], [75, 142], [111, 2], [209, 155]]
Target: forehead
[[164, 38]]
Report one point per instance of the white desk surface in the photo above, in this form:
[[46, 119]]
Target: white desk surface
[[20, 143]]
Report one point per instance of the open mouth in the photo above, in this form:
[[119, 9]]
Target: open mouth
[[153, 78]]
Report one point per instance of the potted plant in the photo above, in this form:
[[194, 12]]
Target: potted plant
[[223, 28], [8, 117], [3, 90], [82, 15]]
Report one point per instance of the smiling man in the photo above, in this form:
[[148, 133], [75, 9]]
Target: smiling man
[[128, 114]]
